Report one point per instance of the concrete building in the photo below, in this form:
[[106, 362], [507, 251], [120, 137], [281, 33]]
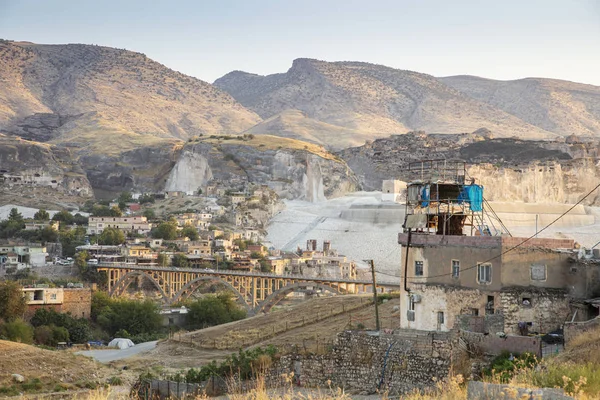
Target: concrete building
[[35, 225], [461, 269], [22, 256], [393, 190], [96, 225]]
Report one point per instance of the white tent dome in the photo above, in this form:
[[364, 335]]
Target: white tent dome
[[121, 343]]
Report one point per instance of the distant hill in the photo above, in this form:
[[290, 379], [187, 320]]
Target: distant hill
[[99, 97], [365, 100], [557, 106]]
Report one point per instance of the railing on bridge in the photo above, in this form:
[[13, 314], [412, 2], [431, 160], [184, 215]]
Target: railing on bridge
[[258, 291]]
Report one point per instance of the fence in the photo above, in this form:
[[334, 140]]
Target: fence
[[156, 388], [254, 336]]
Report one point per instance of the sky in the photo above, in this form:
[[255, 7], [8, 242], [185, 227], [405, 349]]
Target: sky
[[500, 39]]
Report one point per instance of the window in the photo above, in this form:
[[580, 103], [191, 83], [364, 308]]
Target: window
[[418, 268], [538, 272], [455, 268], [53, 296], [484, 273], [489, 305], [440, 317]]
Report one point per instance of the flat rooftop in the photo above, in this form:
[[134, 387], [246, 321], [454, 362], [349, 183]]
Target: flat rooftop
[[420, 240]]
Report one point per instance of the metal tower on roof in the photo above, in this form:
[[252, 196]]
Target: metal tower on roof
[[441, 200]]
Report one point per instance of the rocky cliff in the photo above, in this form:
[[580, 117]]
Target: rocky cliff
[[40, 175], [294, 169], [510, 169]]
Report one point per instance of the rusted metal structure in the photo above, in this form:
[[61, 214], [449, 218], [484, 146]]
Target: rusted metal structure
[[443, 200], [257, 292]]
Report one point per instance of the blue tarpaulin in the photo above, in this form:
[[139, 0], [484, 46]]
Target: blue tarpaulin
[[473, 194], [425, 196]]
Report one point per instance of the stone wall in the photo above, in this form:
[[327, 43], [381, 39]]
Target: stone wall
[[494, 345], [78, 302], [573, 329], [548, 309], [363, 362]]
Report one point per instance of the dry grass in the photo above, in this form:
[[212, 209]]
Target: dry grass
[[316, 317], [50, 371], [269, 142]]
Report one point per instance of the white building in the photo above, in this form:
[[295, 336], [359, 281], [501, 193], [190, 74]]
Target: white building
[[393, 190], [96, 225]]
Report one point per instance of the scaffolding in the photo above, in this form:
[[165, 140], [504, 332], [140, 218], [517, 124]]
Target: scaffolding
[[440, 201]]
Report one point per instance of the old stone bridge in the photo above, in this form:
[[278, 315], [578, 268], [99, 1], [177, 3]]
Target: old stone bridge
[[256, 291]]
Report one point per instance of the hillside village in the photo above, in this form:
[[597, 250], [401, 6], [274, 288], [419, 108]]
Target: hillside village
[[198, 239], [227, 233]]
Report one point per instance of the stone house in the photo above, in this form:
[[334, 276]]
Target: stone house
[[75, 301], [444, 278]]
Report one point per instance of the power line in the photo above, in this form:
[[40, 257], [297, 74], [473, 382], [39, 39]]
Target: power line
[[515, 246]]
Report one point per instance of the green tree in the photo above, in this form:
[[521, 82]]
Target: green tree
[[70, 239], [48, 235], [12, 302], [101, 211], [79, 219], [81, 262], [264, 266], [149, 213], [162, 260], [41, 215], [213, 310], [65, 217], [17, 331], [15, 216], [136, 317], [180, 261], [125, 197], [78, 329], [50, 335], [165, 230], [116, 212], [190, 232], [111, 236]]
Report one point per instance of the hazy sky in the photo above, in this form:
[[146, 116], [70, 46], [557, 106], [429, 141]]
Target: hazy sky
[[501, 39]]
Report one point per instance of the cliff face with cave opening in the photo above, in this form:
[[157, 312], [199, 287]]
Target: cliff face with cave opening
[[292, 168]]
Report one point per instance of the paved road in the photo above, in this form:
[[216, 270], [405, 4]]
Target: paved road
[[105, 356]]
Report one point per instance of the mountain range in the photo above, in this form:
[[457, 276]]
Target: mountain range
[[125, 118]]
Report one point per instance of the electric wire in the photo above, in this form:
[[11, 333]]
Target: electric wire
[[511, 248]]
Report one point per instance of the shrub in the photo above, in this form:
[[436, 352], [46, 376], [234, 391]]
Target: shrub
[[17, 331]]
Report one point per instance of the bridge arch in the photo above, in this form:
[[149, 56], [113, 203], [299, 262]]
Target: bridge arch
[[194, 284], [278, 295], [123, 283]]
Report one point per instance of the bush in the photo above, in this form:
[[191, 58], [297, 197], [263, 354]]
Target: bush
[[506, 365], [213, 310], [245, 364], [17, 331], [78, 330]]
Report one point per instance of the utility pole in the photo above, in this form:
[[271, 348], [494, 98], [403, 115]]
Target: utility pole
[[375, 296]]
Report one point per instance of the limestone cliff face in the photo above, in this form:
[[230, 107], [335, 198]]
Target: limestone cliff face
[[550, 182], [145, 169], [294, 173], [189, 173]]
